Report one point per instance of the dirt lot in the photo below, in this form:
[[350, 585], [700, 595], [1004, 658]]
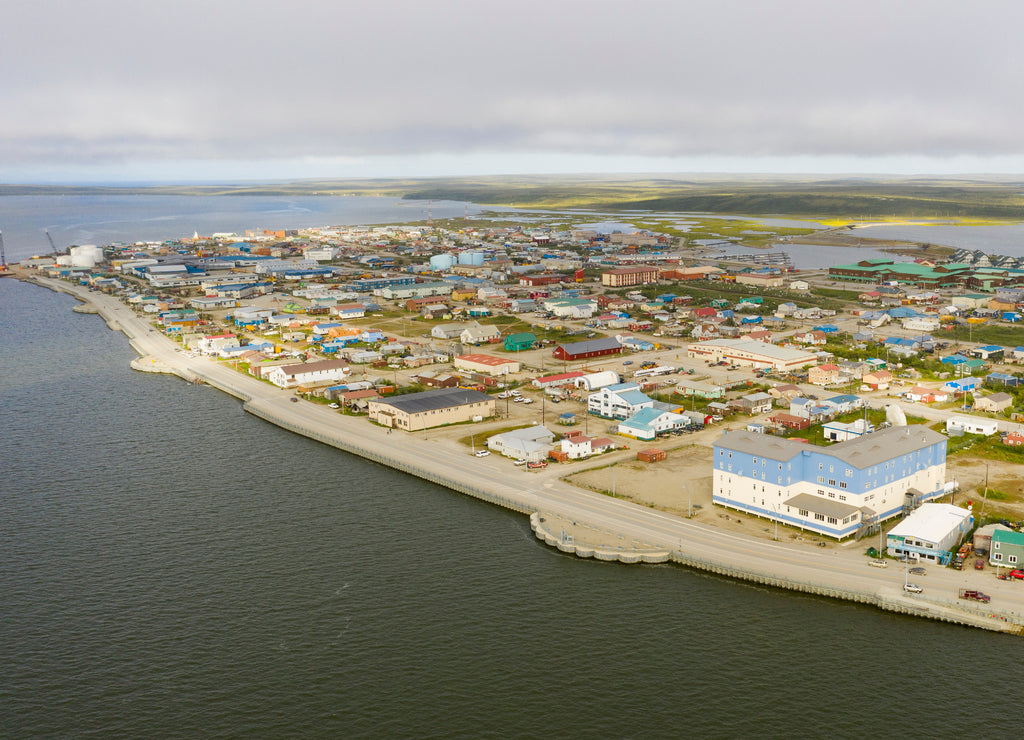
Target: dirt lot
[[682, 479], [1005, 485]]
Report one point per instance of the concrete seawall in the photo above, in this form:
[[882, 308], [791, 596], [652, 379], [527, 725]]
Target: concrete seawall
[[352, 436], [345, 442], [954, 612], [598, 552]]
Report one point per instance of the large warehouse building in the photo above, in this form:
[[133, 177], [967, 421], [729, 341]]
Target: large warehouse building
[[750, 352], [486, 364], [431, 408], [575, 351], [829, 490]]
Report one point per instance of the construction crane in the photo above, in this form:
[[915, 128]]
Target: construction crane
[[3, 255], [50, 238]]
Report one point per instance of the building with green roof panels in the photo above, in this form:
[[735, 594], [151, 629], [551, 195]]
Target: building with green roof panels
[[924, 276], [517, 342], [1007, 549]]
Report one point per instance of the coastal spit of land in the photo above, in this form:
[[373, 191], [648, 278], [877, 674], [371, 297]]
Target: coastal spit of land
[[575, 520]]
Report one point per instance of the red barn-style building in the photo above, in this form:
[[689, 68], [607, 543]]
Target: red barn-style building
[[583, 350]]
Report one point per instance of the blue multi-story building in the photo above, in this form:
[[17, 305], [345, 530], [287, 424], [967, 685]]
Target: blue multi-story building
[[829, 490]]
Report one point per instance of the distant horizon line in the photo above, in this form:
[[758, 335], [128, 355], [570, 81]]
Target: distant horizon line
[[710, 175]]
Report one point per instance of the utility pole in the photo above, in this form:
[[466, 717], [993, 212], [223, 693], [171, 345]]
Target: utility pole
[[984, 496]]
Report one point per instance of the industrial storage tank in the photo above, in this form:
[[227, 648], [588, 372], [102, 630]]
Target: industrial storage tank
[[441, 262], [471, 258], [85, 256]]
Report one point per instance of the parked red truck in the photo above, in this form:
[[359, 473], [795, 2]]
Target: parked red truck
[[974, 595]]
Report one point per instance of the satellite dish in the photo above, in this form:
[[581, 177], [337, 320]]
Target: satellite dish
[[895, 416]]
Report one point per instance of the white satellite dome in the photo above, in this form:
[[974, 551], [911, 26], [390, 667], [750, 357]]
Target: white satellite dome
[[895, 416]]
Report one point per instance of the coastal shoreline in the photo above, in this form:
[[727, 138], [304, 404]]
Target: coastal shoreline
[[682, 542]]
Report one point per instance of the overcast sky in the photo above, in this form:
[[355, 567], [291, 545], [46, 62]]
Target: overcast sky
[[123, 90]]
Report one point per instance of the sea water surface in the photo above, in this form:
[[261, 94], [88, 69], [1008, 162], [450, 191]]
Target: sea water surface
[[174, 567], [104, 219]]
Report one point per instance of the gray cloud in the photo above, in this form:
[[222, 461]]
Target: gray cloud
[[108, 82]]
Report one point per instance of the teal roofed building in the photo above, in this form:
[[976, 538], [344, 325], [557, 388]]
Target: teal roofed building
[[1007, 549], [880, 270], [518, 342]]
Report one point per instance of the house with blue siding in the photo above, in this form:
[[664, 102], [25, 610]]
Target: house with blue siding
[[832, 491], [962, 385]]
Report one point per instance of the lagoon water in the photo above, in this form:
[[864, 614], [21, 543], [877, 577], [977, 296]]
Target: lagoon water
[[173, 567]]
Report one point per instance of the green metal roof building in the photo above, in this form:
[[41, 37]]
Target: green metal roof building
[[517, 342], [1007, 549]]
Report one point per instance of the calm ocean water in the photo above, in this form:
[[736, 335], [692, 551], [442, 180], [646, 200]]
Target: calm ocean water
[[103, 219], [173, 567]]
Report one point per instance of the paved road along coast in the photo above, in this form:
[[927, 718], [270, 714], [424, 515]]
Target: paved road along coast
[[643, 534]]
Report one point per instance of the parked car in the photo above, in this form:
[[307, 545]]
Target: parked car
[[519, 462], [878, 563], [974, 595], [979, 564], [538, 464], [1018, 574], [482, 453]]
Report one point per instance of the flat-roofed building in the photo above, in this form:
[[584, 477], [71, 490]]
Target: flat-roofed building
[[641, 275], [486, 364], [759, 279], [931, 533], [834, 490], [749, 352]]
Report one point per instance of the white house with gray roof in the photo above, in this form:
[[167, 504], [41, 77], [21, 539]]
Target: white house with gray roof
[[529, 443]]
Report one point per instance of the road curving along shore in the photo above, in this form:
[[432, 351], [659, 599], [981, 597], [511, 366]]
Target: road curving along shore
[[623, 531]]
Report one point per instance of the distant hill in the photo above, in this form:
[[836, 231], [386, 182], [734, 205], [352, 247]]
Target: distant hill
[[853, 198]]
